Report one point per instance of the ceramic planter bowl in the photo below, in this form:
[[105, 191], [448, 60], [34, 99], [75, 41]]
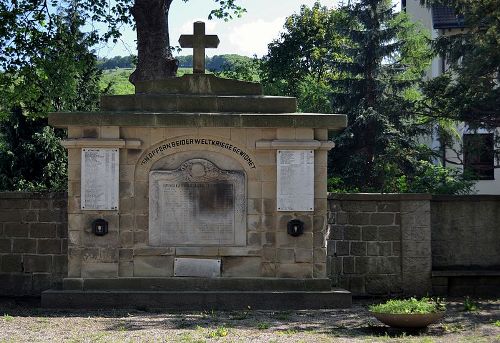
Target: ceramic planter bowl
[[410, 321]]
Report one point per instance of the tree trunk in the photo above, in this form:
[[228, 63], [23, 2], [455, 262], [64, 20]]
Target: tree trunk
[[154, 59]]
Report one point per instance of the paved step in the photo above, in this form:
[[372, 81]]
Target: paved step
[[197, 284], [197, 300]]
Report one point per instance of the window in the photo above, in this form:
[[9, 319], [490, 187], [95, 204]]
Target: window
[[479, 156]]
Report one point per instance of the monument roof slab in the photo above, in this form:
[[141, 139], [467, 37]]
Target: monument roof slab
[[193, 119]]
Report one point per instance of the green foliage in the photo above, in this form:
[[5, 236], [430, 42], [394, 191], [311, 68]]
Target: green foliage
[[470, 305], [239, 68], [497, 323], [61, 76], [117, 62], [220, 331], [297, 63], [469, 90], [409, 306]]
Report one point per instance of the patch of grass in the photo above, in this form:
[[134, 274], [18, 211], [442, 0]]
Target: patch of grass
[[7, 318], [241, 315], [453, 328], [469, 305], [288, 332], [285, 315], [263, 326], [408, 306], [497, 323], [220, 331], [186, 338]]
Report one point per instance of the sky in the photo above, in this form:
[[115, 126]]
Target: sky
[[247, 35]]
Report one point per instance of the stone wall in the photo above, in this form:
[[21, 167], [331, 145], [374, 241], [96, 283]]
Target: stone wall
[[33, 242], [465, 232], [380, 244]]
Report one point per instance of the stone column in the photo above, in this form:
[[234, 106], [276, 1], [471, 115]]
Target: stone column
[[416, 264]]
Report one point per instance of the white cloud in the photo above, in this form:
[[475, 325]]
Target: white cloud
[[187, 27], [252, 37]]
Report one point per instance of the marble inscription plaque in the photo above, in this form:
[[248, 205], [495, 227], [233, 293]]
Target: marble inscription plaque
[[197, 205], [197, 267], [295, 184], [99, 179]]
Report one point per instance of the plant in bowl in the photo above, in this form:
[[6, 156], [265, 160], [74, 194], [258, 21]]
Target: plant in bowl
[[409, 313]]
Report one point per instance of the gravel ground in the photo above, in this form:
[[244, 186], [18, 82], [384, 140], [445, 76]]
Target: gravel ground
[[24, 321]]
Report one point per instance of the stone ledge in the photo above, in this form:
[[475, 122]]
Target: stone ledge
[[100, 143], [199, 84], [180, 120], [294, 144], [192, 300], [473, 197], [198, 103], [460, 273], [33, 195], [380, 197]]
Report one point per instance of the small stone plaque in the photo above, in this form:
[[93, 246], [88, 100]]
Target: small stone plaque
[[295, 184], [99, 179], [197, 204], [196, 267]]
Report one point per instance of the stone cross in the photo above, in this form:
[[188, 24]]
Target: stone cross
[[199, 41]]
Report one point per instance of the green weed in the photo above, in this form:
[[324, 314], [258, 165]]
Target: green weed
[[7, 318], [263, 326], [219, 332], [497, 323], [469, 305]]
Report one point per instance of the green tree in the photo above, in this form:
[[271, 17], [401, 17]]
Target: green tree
[[468, 91], [62, 76], [297, 63], [26, 27], [377, 89]]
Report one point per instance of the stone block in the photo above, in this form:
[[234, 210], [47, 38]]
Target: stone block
[[126, 239], [15, 284], [389, 265], [321, 134], [22, 245], [389, 233], [29, 216], [303, 255], [357, 284], [341, 248], [348, 266], [5, 245], [334, 265], [369, 233], [388, 207], [51, 216], [365, 265], [269, 254], [286, 255], [99, 270], [396, 248], [140, 237], [336, 232], [12, 263], [359, 218], [357, 249], [60, 264], [382, 218], [295, 270], [196, 251], [241, 266], [359, 206], [151, 266], [126, 254], [43, 230], [416, 249], [319, 255], [319, 270], [16, 230], [49, 246], [37, 263], [108, 255], [11, 215], [352, 233], [378, 284], [342, 218], [268, 239], [42, 282], [254, 239], [62, 230], [126, 269], [254, 189]]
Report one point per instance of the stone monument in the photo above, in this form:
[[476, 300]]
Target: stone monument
[[197, 192]]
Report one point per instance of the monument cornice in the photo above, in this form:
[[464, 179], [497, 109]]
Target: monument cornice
[[181, 120]]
